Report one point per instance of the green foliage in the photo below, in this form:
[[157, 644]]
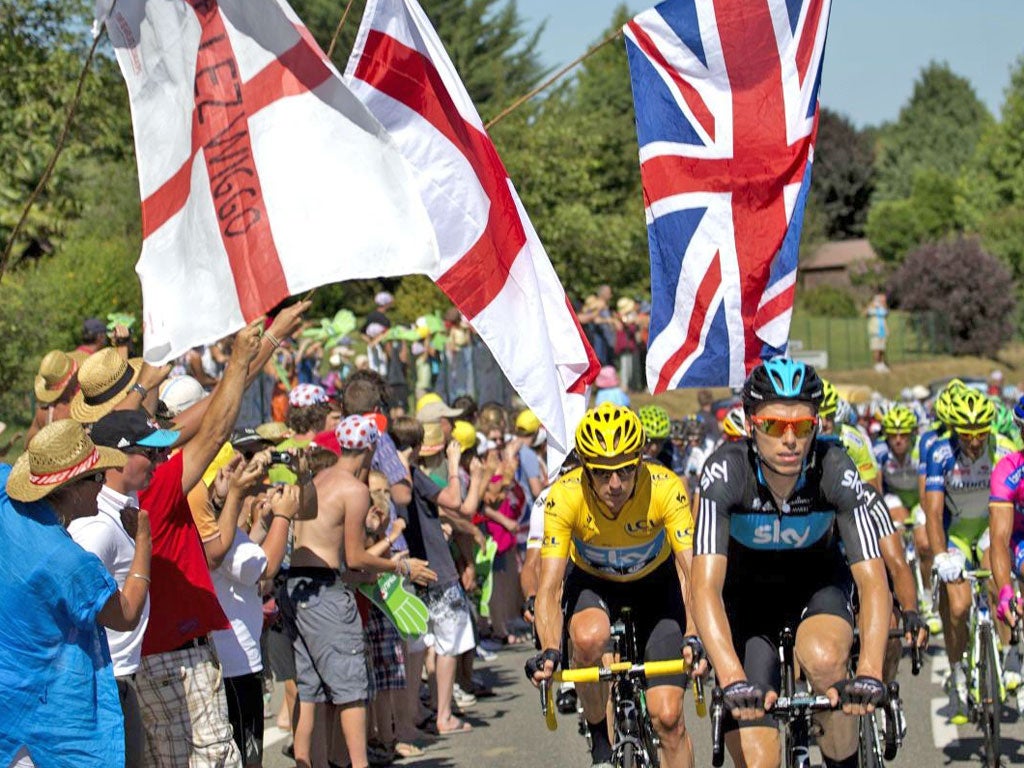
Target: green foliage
[[992, 199], [896, 226], [828, 301], [937, 129], [842, 179]]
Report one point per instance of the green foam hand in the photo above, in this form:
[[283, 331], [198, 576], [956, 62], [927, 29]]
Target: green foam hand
[[406, 611], [485, 574]]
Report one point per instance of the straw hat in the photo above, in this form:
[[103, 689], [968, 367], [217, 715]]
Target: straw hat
[[104, 379], [59, 454], [56, 370], [433, 439]]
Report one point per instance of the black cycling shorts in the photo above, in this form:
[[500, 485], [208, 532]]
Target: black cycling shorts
[[656, 600], [756, 630]]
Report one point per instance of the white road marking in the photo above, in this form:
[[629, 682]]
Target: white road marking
[[943, 733], [273, 734], [940, 668]]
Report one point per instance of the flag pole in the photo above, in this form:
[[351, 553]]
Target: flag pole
[[337, 29], [48, 171], [530, 94]]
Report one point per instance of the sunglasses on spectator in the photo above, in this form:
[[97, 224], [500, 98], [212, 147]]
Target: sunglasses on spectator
[[972, 434], [153, 454], [623, 473], [777, 427]]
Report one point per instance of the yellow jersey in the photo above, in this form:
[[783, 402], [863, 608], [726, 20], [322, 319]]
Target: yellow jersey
[[655, 522]]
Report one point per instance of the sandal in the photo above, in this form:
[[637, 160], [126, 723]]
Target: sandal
[[461, 727], [406, 750]]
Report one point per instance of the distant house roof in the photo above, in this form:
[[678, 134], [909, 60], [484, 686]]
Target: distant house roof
[[839, 254]]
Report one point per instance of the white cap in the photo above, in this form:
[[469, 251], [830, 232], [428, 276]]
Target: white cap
[[180, 393]]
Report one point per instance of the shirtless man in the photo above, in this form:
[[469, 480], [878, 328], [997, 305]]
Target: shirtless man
[[329, 653]]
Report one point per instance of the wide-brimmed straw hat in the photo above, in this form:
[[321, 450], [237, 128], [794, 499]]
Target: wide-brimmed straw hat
[[59, 454], [433, 439], [104, 380], [56, 371]]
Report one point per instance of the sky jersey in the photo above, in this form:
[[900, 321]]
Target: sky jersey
[[964, 483], [655, 522], [1007, 487], [830, 521], [899, 477]]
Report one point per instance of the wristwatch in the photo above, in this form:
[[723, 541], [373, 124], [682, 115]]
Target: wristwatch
[[140, 389]]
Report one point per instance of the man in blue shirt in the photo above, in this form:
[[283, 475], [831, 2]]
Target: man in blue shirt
[[55, 670]]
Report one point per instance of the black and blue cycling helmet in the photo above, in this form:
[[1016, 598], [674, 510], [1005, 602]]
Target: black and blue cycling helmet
[[782, 379]]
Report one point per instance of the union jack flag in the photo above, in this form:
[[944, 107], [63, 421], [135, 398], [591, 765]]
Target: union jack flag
[[726, 96]]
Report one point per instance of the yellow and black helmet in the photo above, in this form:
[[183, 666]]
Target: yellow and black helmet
[[829, 400], [899, 420], [971, 408], [607, 433]]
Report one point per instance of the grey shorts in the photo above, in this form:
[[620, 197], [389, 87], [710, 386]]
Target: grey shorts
[[330, 655]]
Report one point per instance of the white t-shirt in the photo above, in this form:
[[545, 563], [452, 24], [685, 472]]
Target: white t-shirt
[[104, 536], [237, 584], [536, 536]]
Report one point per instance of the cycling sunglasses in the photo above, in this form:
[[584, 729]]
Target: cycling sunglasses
[[969, 434], [623, 473], [898, 434], [777, 427]]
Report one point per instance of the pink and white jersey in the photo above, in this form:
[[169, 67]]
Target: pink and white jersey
[[1007, 486]]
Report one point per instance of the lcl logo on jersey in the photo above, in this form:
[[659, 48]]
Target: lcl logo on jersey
[[640, 528]]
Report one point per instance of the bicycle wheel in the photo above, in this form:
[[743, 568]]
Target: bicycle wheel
[[868, 751], [988, 690], [627, 757]]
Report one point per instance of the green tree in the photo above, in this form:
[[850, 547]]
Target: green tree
[[842, 179], [937, 129], [992, 184], [894, 227]]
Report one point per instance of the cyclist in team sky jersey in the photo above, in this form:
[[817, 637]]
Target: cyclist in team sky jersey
[[785, 527], [1006, 530], [957, 484], [625, 525], [898, 460]]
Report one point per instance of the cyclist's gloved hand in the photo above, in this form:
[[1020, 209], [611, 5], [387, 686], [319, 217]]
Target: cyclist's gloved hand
[[537, 669], [1006, 605], [696, 653], [861, 691], [743, 695], [914, 625], [950, 565]]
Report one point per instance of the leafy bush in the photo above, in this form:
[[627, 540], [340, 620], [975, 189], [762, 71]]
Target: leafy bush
[[970, 289], [828, 301]]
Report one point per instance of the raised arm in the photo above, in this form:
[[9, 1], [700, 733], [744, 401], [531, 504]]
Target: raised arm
[[124, 608]]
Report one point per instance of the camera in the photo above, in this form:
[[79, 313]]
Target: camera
[[281, 457]]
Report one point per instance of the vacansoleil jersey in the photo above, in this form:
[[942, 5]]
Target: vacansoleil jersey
[[899, 477], [828, 521], [858, 447], [964, 483], [655, 522]]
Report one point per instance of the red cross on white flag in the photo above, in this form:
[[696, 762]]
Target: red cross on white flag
[[493, 266], [261, 175]]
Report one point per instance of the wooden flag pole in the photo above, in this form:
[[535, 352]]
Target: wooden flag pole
[[547, 83], [337, 29], [5, 257]]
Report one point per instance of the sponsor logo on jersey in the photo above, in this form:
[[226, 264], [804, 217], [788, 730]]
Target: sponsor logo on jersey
[[714, 472], [772, 532], [550, 541], [639, 528], [620, 560], [851, 479]]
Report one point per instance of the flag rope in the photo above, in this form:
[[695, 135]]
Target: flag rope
[[48, 171], [554, 78]]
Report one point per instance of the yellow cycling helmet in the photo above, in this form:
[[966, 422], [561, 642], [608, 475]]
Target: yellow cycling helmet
[[609, 433], [655, 421], [971, 408], [829, 400], [733, 425], [899, 419]]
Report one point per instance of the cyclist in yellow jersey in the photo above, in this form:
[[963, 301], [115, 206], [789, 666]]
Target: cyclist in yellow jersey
[[619, 533]]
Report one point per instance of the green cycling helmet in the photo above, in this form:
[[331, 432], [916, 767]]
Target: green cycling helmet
[[656, 422], [971, 408], [829, 400], [1003, 423]]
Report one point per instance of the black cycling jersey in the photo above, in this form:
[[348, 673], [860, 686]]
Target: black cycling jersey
[[831, 519]]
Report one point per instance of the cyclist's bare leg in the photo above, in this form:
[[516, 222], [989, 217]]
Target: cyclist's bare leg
[[823, 650], [954, 605], [591, 632], [993, 599], [757, 747], [665, 703]]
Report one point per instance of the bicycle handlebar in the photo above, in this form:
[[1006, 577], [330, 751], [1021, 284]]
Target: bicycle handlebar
[[622, 668]]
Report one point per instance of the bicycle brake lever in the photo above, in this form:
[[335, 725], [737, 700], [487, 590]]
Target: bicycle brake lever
[[699, 703]]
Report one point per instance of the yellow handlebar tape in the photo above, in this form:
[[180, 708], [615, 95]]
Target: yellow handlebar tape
[[596, 674]]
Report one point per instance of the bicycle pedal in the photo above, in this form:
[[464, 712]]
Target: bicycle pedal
[[815, 730]]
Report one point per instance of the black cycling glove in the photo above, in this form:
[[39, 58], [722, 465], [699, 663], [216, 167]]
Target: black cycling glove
[[913, 623], [861, 690], [743, 695], [696, 648], [535, 663]]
